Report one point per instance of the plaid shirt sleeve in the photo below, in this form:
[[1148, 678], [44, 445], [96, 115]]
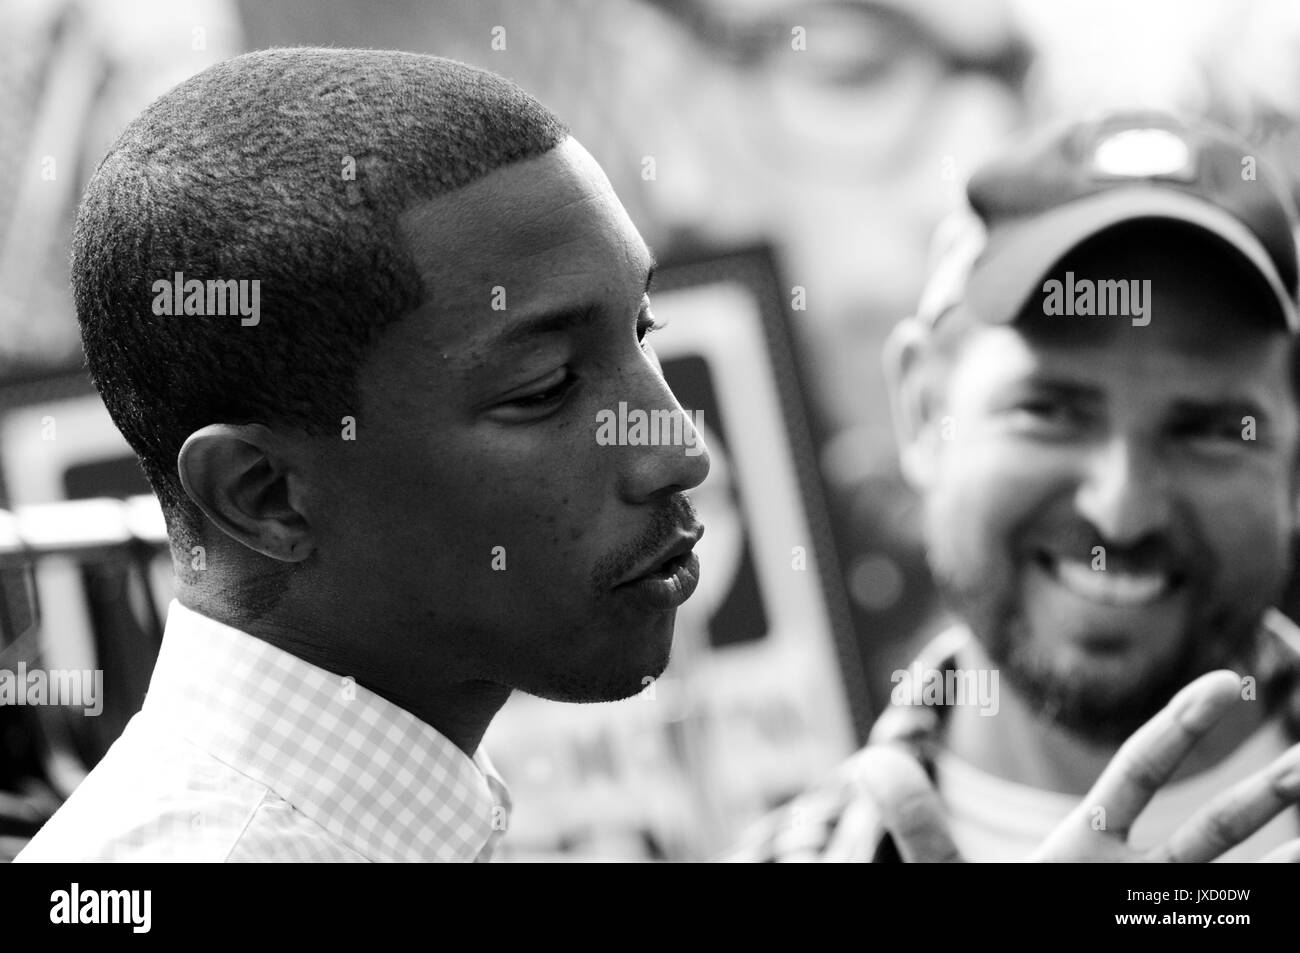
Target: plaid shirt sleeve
[[837, 821], [833, 822]]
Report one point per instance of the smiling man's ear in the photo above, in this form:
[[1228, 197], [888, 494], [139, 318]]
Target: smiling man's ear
[[245, 479], [913, 402]]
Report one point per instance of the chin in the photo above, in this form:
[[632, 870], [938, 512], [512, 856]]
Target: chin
[[635, 659], [631, 676], [596, 687]]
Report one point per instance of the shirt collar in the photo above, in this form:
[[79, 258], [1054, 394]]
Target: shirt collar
[[372, 774]]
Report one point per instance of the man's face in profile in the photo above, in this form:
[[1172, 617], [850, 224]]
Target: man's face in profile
[[1111, 507], [476, 511]]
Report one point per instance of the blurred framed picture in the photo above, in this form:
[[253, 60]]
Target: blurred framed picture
[[102, 607], [764, 693]]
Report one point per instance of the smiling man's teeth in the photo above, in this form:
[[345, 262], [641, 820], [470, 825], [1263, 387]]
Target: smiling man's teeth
[[1115, 587]]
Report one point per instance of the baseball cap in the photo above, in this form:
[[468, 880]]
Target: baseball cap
[[1034, 204]]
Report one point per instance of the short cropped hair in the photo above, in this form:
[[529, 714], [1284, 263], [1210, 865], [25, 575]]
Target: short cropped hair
[[290, 167]]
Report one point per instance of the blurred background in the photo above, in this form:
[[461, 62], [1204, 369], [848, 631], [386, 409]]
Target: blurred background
[[788, 161]]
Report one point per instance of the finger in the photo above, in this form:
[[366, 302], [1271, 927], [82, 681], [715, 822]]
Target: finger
[[856, 834], [1236, 813], [1288, 853], [908, 805], [1147, 759]]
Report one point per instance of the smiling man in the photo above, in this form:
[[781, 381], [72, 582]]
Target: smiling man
[[386, 503], [1110, 498]]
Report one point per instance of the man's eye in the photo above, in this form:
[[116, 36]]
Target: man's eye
[[647, 325], [1230, 432], [554, 392], [549, 394], [1045, 410], [1049, 414]]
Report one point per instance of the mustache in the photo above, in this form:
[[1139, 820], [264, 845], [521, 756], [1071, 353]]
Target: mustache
[[675, 516]]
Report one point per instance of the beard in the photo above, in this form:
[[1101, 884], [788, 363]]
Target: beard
[[1095, 705]]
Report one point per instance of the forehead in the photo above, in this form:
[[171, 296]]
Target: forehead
[[536, 239], [546, 226], [1140, 367]]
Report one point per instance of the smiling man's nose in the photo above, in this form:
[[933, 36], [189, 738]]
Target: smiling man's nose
[[1124, 492]]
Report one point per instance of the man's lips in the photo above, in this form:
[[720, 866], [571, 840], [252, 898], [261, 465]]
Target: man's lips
[[668, 578], [1119, 584], [682, 543]]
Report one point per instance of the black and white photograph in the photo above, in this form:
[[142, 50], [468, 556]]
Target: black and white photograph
[[652, 432]]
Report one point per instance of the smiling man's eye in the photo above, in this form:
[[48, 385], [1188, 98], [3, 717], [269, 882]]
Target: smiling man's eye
[[1046, 414], [1044, 408], [1219, 431], [1048, 410]]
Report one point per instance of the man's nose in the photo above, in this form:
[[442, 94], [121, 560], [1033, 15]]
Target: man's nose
[[1125, 491], [670, 456]]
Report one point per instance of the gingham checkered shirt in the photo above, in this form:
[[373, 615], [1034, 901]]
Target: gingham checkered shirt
[[244, 752]]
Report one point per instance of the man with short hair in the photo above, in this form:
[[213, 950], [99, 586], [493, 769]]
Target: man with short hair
[[1097, 404], [386, 505]]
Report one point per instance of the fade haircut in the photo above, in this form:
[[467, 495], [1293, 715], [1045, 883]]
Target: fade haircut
[[290, 167]]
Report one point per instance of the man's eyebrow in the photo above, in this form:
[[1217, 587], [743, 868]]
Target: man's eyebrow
[[1229, 405], [1062, 388], [568, 318]]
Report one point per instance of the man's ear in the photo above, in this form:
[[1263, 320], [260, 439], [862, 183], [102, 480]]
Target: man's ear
[[912, 400], [243, 478]]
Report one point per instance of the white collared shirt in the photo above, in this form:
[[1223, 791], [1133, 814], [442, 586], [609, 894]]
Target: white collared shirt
[[244, 752]]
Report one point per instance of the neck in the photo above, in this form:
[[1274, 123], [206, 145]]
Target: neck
[[1019, 745], [459, 710]]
